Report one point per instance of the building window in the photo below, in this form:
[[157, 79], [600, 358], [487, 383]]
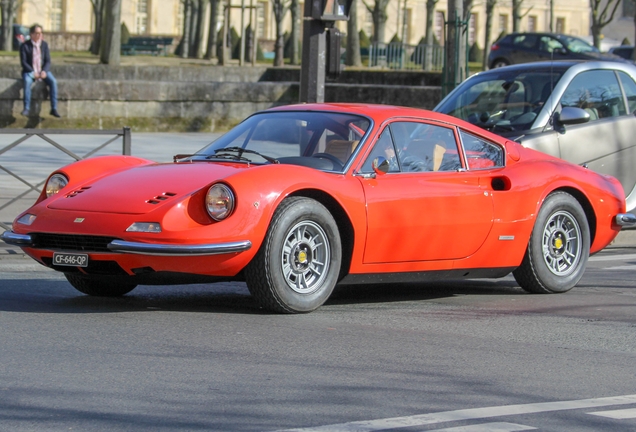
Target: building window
[[260, 19], [560, 25], [368, 24], [141, 19], [56, 16], [406, 25], [439, 27], [629, 7], [503, 23], [472, 29], [532, 23]]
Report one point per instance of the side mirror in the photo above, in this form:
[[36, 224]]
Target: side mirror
[[380, 166], [572, 116]]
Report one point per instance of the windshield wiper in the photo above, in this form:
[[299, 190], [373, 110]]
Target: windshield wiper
[[240, 150]]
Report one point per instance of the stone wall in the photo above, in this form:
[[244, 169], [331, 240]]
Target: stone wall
[[191, 98]]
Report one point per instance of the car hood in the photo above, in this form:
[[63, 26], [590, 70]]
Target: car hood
[[143, 189]]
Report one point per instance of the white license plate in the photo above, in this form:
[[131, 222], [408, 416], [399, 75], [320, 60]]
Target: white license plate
[[70, 259]]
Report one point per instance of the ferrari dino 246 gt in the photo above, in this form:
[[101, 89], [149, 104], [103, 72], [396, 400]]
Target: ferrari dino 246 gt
[[297, 199]]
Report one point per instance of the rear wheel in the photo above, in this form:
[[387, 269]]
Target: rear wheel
[[558, 249], [499, 63], [297, 266], [97, 286]]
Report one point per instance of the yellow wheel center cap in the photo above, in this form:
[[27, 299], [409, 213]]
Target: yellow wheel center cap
[[302, 257], [558, 243]]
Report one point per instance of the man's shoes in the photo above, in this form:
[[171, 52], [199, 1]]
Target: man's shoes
[[54, 113], [25, 112]]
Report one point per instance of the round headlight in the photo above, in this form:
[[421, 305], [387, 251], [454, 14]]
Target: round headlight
[[219, 202], [55, 184]]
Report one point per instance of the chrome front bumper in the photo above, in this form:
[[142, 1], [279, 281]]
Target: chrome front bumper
[[121, 246], [626, 220]]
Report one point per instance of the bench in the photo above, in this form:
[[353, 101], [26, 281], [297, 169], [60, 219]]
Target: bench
[[146, 45]]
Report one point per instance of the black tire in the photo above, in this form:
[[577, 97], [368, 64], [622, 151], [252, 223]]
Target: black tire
[[98, 286], [297, 266], [558, 249], [499, 63]]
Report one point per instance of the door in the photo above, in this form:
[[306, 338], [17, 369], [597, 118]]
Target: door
[[423, 210], [605, 143]]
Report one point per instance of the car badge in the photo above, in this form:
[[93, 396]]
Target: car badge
[[78, 220]]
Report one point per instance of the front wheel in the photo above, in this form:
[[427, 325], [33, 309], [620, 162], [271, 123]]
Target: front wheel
[[298, 264], [98, 287], [558, 249]]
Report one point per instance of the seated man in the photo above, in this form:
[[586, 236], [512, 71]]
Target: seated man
[[35, 59]]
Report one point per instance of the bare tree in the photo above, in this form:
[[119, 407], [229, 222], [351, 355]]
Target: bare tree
[[429, 36], [602, 17], [295, 32], [111, 40], [8, 8], [98, 14], [280, 10], [380, 17], [353, 37], [187, 22], [490, 7], [517, 15], [210, 52]]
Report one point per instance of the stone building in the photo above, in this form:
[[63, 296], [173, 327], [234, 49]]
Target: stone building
[[406, 18]]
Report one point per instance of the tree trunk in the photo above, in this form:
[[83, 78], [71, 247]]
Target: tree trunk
[[279, 45], [429, 36], [455, 47], [353, 37], [490, 7], [210, 52], [379, 21], [516, 15], [111, 42], [200, 31], [8, 9], [295, 32], [194, 31], [98, 14], [185, 38]]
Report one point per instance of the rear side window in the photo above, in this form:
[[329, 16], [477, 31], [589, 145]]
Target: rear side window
[[524, 41], [481, 154], [597, 92], [629, 86]]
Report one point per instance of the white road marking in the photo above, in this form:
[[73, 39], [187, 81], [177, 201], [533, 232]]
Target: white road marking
[[629, 413], [468, 414], [597, 258], [625, 267], [488, 427]]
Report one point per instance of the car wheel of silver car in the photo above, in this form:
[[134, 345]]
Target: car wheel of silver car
[[297, 266], [98, 286], [558, 249]]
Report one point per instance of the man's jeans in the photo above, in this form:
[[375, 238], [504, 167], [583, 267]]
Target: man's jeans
[[50, 81]]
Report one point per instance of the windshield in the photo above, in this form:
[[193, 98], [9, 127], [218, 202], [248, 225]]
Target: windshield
[[577, 45], [321, 140], [502, 101]]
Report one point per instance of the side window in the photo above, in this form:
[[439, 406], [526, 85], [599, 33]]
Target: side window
[[597, 92], [525, 41], [549, 44], [384, 148], [629, 86], [430, 148], [481, 154]]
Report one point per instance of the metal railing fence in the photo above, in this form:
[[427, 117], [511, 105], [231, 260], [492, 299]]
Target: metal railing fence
[[400, 56], [45, 135]]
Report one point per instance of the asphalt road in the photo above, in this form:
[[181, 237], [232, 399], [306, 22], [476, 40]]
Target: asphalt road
[[469, 356]]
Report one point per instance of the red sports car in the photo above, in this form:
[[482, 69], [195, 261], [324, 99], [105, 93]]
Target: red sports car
[[297, 199]]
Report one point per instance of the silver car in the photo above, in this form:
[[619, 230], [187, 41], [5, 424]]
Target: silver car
[[580, 111]]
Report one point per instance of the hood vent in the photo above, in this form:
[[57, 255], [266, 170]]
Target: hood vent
[[77, 192], [160, 198]]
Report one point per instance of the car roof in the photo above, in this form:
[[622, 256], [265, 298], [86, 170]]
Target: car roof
[[374, 111]]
